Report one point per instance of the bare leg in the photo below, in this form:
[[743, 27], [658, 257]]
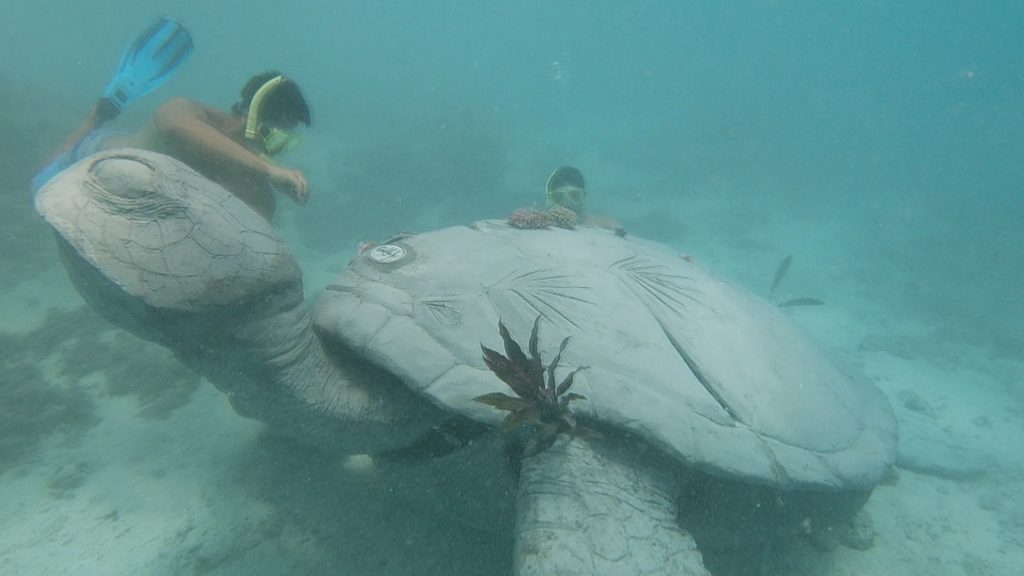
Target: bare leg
[[102, 112]]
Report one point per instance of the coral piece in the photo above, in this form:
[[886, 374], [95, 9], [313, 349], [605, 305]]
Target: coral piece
[[563, 217], [528, 219], [541, 403]]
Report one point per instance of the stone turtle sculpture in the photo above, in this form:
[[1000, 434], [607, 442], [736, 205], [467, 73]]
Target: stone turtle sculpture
[[718, 421]]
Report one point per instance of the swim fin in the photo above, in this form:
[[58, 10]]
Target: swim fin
[[148, 62]]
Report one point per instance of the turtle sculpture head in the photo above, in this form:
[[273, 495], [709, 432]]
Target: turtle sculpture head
[[692, 382]]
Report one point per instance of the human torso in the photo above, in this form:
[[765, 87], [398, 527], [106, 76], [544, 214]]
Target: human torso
[[255, 192]]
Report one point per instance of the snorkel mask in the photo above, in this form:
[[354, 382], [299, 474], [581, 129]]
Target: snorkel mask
[[274, 141], [277, 141], [566, 188]]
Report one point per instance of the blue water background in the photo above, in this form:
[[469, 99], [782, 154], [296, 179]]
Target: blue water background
[[902, 122]]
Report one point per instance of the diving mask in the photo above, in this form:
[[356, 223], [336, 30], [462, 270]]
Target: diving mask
[[276, 141], [570, 197], [566, 188]]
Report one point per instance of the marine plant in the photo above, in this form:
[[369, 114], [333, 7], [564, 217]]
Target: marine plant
[[538, 401]]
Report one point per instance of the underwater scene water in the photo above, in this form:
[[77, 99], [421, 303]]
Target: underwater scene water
[[854, 170]]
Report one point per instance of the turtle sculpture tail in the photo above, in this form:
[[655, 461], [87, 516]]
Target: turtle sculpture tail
[[169, 255], [590, 506]]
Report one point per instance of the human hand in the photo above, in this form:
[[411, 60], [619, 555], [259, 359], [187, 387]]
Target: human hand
[[291, 183]]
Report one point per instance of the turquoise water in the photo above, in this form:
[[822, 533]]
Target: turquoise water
[[880, 144]]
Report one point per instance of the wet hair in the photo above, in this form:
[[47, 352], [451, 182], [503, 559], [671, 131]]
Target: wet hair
[[284, 105]]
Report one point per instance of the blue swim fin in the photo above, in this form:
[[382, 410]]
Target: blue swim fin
[[148, 62]]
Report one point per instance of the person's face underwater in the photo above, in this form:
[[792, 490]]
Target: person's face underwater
[[277, 140], [569, 197]]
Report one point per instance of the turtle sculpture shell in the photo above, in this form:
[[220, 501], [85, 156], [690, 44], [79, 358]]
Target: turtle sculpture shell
[[696, 366]]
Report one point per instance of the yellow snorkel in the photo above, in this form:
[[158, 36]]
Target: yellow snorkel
[[252, 120], [274, 140]]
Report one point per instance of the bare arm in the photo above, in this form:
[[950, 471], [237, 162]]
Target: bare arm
[[605, 222], [193, 125]]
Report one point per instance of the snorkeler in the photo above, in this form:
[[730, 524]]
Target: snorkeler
[[235, 149], [567, 189], [232, 149]]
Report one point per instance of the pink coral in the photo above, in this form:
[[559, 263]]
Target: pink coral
[[563, 217], [528, 219]]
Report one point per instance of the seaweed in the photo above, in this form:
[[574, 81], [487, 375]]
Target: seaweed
[[34, 408], [133, 367], [44, 394], [538, 401]]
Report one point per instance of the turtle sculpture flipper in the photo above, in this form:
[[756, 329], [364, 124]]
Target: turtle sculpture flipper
[[589, 505], [176, 259], [596, 507]]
